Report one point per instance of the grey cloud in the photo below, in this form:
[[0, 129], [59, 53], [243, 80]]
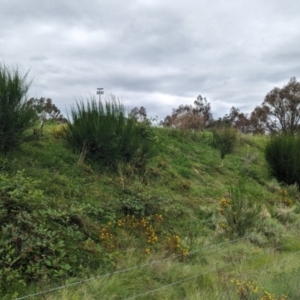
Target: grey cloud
[[38, 58], [158, 54]]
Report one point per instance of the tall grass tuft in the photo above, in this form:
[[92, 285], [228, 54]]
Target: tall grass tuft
[[283, 156], [224, 139], [104, 133], [15, 115], [242, 214]]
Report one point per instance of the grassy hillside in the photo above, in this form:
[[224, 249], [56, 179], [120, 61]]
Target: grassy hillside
[[180, 220]]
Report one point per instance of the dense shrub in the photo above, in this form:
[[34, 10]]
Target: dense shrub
[[224, 139], [283, 156], [41, 240], [103, 133], [15, 115]]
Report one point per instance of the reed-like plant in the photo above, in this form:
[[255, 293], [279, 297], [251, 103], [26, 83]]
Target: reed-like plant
[[15, 115], [224, 139], [242, 214], [283, 156], [102, 130]]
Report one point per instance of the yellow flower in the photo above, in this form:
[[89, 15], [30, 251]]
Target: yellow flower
[[223, 225], [224, 202], [185, 252], [158, 218]]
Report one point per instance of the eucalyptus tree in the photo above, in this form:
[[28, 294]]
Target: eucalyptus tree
[[280, 110]]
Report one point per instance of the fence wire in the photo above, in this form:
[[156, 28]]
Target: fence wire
[[210, 247], [262, 283], [245, 286], [231, 281]]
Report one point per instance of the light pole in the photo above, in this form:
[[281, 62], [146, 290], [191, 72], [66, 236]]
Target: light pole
[[100, 92]]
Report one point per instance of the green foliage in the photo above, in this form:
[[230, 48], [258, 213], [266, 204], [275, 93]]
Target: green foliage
[[293, 190], [46, 110], [224, 139], [104, 133], [15, 115], [280, 111], [273, 186], [141, 205], [283, 157], [40, 240], [241, 213], [79, 204]]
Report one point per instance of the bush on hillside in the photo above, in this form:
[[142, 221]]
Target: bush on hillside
[[102, 131], [41, 240], [15, 115], [224, 139], [283, 156], [242, 214]]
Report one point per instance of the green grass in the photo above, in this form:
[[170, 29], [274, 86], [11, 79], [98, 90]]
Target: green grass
[[184, 183]]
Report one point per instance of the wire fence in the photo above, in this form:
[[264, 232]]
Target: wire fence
[[210, 247], [245, 285], [264, 283], [239, 277]]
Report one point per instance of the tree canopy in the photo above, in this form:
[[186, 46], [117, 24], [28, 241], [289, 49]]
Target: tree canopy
[[197, 116], [46, 109], [280, 111]]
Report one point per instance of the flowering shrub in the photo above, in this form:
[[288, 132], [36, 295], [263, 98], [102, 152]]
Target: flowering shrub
[[39, 239], [240, 214], [146, 228], [250, 290], [174, 245], [285, 200]]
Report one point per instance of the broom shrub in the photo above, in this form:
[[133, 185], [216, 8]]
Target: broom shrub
[[104, 133], [282, 153], [15, 115], [224, 139]]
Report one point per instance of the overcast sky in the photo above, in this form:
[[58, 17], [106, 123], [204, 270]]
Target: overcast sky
[[153, 53]]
